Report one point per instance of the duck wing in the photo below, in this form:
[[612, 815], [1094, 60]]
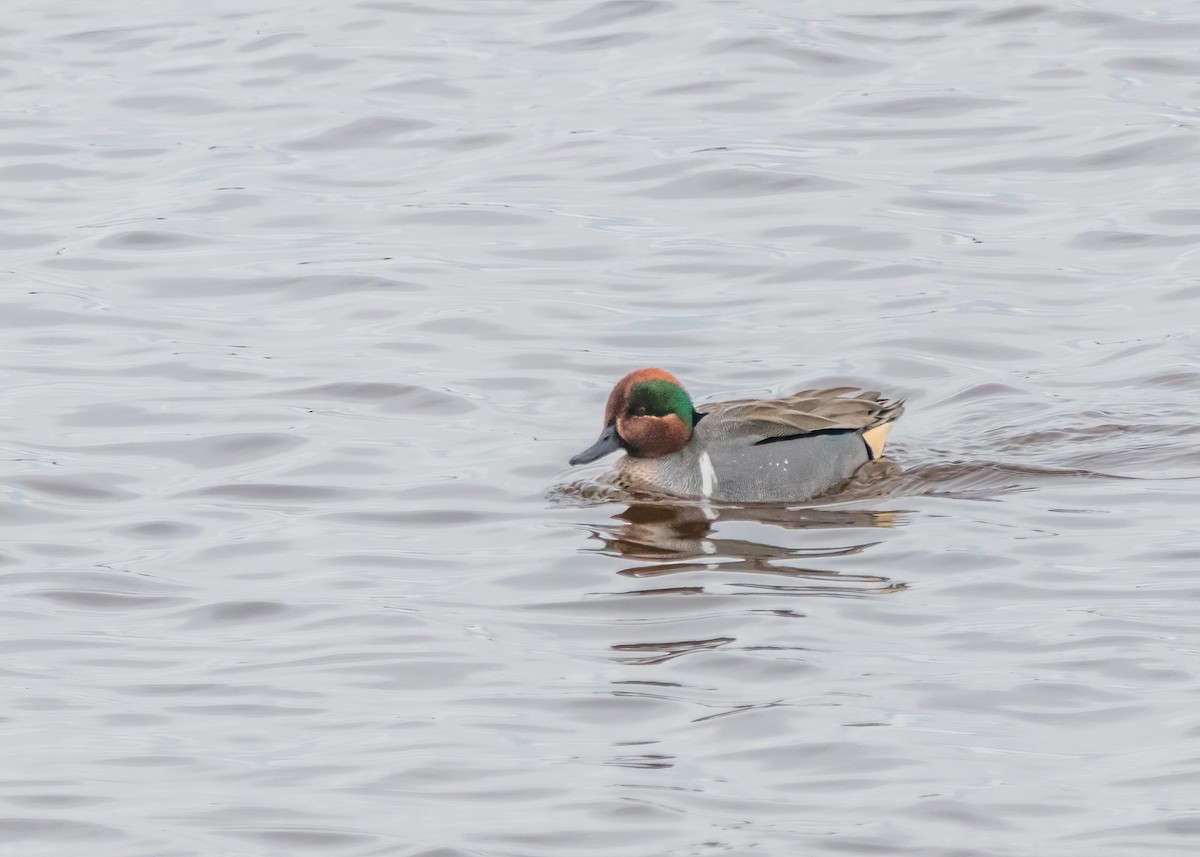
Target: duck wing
[[836, 409]]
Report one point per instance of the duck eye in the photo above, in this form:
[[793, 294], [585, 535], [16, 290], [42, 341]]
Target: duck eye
[[641, 411]]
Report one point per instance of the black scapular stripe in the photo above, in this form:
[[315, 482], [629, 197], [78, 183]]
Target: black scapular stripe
[[812, 433]]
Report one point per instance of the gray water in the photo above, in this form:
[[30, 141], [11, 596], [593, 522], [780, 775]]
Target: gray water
[[305, 307]]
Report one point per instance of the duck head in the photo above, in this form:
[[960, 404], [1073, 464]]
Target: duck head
[[648, 414]]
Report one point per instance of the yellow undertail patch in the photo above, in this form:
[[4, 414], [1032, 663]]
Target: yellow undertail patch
[[875, 439]]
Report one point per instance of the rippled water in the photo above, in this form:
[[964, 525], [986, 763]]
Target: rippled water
[[306, 307]]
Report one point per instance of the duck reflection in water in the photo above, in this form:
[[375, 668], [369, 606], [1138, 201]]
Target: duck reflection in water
[[679, 539]]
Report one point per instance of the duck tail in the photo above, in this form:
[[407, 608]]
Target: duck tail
[[876, 436]]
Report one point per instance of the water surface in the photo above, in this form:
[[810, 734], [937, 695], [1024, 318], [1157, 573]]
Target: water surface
[[305, 309]]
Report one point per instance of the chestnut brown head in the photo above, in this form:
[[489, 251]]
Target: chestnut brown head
[[648, 414]]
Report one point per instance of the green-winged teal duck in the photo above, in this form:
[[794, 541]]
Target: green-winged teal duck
[[746, 451]]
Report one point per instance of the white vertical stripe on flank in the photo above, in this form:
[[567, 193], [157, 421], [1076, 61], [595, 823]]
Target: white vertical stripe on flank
[[708, 476]]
